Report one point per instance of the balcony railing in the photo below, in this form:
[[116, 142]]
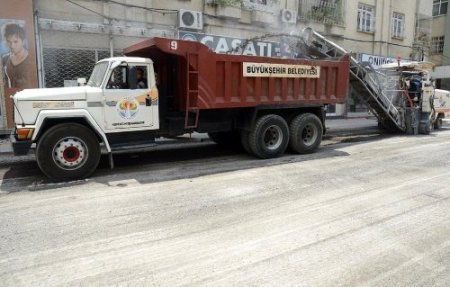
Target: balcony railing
[[329, 12], [271, 6]]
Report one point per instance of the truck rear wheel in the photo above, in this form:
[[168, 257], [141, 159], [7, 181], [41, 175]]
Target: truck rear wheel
[[270, 137], [68, 152], [306, 133]]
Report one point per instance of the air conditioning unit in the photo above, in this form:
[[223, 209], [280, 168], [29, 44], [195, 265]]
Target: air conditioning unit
[[190, 19], [288, 16]]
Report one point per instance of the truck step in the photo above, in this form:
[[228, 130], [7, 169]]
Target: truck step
[[135, 147]]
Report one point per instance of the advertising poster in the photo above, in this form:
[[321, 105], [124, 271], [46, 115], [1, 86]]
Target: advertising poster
[[18, 68], [14, 54]]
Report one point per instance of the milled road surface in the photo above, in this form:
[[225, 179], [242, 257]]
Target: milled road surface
[[365, 213]]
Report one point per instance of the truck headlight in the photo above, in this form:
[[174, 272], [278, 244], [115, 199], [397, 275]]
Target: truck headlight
[[24, 133]]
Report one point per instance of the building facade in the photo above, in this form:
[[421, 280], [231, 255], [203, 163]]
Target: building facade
[[440, 43], [71, 35]]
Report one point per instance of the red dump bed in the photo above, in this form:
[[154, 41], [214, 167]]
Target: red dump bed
[[230, 81]]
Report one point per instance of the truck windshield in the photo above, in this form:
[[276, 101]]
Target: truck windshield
[[97, 74]]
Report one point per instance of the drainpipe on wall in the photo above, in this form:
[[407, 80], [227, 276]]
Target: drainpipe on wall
[[2, 100], [389, 33], [111, 45], [416, 26], [381, 28], [108, 20], [39, 52]]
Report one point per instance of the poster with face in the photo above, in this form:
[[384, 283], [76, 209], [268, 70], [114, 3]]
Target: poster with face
[[14, 52], [18, 68]]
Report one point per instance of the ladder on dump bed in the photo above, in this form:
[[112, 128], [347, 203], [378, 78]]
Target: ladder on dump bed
[[363, 78], [192, 110]]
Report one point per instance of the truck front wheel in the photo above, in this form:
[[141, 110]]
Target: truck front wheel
[[270, 137], [306, 133], [68, 152]]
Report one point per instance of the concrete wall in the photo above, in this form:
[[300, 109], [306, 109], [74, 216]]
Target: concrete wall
[[438, 29], [441, 27], [383, 20], [243, 27]]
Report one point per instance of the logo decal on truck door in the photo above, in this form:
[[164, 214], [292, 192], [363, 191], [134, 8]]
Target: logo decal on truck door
[[127, 108]]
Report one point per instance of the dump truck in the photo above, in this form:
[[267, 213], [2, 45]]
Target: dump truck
[[165, 88]]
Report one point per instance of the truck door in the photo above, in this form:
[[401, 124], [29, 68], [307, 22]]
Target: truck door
[[130, 105]]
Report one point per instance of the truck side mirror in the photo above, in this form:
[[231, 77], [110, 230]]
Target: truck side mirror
[[132, 79], [81, 81]]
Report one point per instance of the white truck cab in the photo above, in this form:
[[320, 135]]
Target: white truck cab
[[441, 105], [66, 125]]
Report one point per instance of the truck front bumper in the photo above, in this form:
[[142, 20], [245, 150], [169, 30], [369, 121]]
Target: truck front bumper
[[21, 147]]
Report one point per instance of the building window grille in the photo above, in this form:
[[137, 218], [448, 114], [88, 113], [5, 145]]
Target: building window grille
[[322, 11], [366, 18], [61, 65], [437, 45], [440, 7], [272, 6], [398, 25], [259, 2]]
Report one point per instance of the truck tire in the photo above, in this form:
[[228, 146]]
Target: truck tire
[[67, 152], [425, 127], [229, 139], [388, 127], [270, 137], [306, 133], [438, 123]]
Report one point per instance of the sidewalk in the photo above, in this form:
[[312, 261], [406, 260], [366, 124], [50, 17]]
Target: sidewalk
[[5, 145]]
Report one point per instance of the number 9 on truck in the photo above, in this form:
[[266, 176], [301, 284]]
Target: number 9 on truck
[[174, 45]]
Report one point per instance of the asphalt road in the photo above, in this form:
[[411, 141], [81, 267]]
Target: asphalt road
[[365, 210]]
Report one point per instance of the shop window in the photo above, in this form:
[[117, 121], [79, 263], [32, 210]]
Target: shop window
[[62, 65]]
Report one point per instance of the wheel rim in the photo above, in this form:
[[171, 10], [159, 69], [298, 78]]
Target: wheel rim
[[309, 134], [70, 153], [273, 137]]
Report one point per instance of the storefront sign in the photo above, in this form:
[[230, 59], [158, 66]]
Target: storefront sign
[[377, 61], [230, 45]]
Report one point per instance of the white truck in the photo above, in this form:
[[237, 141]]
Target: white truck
[[441, 105]]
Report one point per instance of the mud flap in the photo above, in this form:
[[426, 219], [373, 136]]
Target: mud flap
[[425, 123], [111, 160], [412, 120]]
